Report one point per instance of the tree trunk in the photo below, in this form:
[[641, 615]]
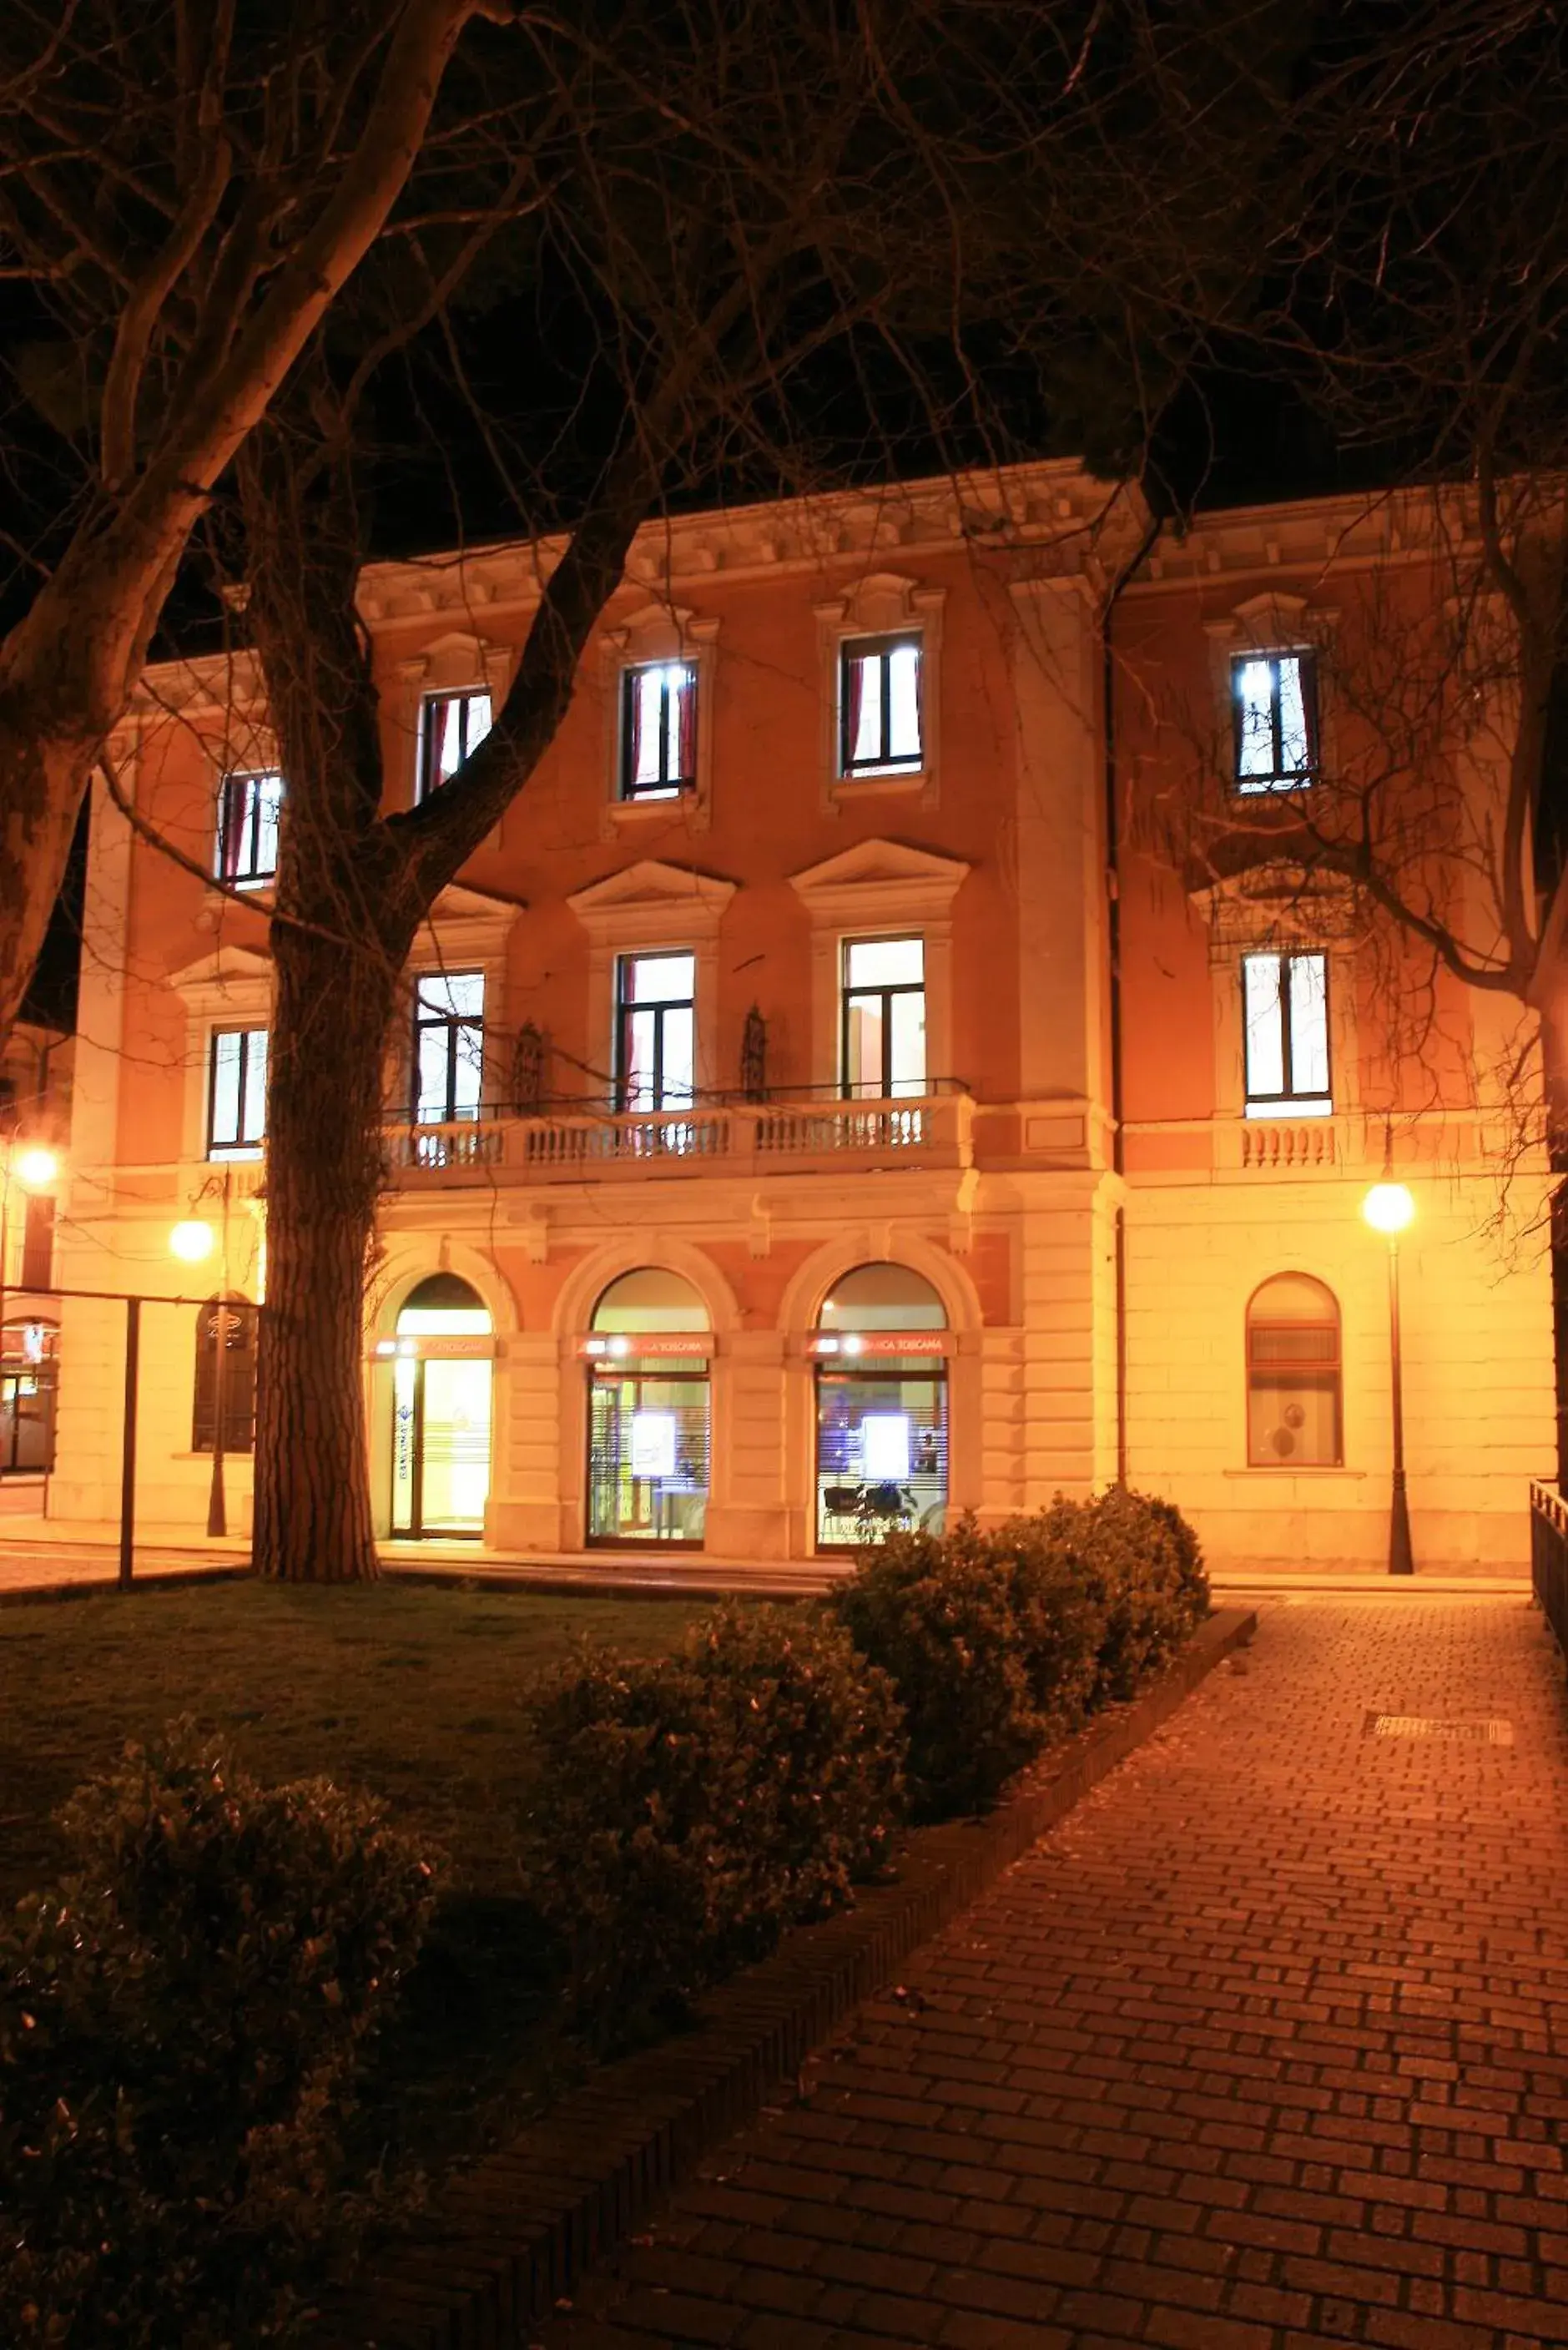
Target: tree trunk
[[332, 1009]]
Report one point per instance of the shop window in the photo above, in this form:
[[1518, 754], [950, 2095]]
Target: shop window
[[441, 1375], [236, 1093], [656, 1031], [881, 1406], [1294, 1400], [451, 728], [879, 706], [1276, 721], [449, 1048], [658, 731], [1284, 1014], [29, 1383], [239, 1376], [883, 1043], [649, 1411], [248, 810]]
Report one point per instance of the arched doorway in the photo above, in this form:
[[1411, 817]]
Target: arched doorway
[[649, 1411], [881, 1406], [442, 1368], [30, 1385]]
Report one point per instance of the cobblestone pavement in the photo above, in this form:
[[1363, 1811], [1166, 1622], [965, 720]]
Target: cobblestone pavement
[[1266, 2045]]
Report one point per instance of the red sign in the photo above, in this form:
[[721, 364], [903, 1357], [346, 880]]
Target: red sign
[[853, 1345], [432, 1346], [638, 1345]]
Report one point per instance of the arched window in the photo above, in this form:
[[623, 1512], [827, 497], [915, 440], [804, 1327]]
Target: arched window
[[882, 1297], [444, 1306], [650, 1299], [239, 1375], [1294, 1410]]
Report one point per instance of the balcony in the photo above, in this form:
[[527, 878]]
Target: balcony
[[581, 1144]]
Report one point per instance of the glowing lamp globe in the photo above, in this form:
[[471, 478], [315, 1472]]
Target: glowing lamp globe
[[36, 1166], [1389, 1209], [192, 1241]]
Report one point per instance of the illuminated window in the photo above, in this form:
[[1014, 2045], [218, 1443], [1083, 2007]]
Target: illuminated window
[[1284, 1012], [1276, 722], [656, 1031], [1293, 1401], [883, 1046], [879, 706], [236, 1093], [448, 1047], [451, 728], [658, 731], [248, 810]]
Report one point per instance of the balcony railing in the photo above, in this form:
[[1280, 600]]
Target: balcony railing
[[934, 1130], [1290, 1145]]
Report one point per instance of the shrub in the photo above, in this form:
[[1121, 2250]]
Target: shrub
[[1145, 1566], [691, 1807], [938, 1613], [1061, 1614], [179, 2024]]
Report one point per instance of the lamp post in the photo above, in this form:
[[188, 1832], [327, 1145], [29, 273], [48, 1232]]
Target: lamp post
[[192, 1242], [1389, 1209]]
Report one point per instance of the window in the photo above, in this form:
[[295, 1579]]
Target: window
[[658, 731], [236, 1093], [239, 1375], [656, 1031], [879, 706], [451, 728], [883, 1050], [449, 1048], [38, 1242], [1293, 1409], [1276, 722], [248, 806], [1284, 1011]]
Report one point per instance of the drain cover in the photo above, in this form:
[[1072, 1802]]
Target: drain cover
[[1475, 1732]]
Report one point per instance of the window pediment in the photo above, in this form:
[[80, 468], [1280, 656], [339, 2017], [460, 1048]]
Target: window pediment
[[466, 925], [650, 898], [233, 982], [1275, 900], [881, 879]]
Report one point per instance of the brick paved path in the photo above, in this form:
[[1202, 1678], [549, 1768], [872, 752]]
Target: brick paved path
[[1265, 2046]]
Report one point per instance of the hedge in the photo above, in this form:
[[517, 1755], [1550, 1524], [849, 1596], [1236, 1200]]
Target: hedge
[[691, 1807], [180, 2022]]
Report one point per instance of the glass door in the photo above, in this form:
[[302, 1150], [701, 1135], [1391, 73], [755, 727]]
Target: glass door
[[648, 1454]]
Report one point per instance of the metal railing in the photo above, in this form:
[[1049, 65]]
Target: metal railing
[[936, 1128], [1549, 1558]]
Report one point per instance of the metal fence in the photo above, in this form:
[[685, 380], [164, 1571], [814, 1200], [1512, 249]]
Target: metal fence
[[1549, 1558]]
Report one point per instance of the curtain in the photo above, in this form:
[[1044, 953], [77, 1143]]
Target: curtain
[[687, 751], [853, 695]]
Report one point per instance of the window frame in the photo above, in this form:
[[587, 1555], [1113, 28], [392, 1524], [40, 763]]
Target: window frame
[[880, 647], [1289, 1103], [1279, 778], [665, 787], [241, 1147], [626, 1007], [847, 996], [248, 874], [437, 697], [455, 1024], [1332, 1362]]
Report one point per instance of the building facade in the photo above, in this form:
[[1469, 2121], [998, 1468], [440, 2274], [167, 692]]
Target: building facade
[[833, 1096]]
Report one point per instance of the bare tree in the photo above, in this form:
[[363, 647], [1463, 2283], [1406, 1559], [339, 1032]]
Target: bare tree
[[183, 192], [758, 216]]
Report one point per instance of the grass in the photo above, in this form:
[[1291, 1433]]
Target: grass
[[412, 1692]]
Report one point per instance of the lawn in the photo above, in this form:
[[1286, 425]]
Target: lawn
[[412, 1692]]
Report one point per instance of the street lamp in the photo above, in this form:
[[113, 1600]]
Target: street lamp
[[192, 1242], [1389, 1209]]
